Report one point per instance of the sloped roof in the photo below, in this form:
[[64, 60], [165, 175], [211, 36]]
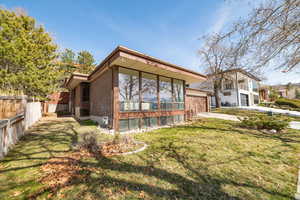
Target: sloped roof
[[241, 71]]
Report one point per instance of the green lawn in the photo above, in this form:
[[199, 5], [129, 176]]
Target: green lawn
[[209, 159], [245, 113]]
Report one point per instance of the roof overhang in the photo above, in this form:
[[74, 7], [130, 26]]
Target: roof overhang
[[134, 60], [129, 58], [76, 79]]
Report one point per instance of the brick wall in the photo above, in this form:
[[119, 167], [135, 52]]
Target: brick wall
[[101, 97], [59, 98]]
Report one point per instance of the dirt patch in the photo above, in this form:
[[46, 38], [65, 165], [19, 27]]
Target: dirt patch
[[112, 149], [60, 172]]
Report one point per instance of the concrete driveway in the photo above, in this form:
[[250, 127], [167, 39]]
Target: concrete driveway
[[218, 116]]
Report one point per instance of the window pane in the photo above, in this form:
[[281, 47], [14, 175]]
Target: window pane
[[134, 123], [179, 106], [149, 122], [170, 120], [163, 120], [178, 90], [149, 91], [254, 86], [178, 94], [129, 89], [153, 121], [166, 120], [256, 99], [146, 122], [123, 123], [165, 91], [178, 118]]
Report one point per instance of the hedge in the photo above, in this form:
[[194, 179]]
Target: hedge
[[288, 102], [261, 122]]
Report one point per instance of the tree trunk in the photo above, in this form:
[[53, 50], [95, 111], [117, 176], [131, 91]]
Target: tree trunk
[[217, 97]]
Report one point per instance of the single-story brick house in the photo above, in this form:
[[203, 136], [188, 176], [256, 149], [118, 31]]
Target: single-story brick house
[[130, 90]]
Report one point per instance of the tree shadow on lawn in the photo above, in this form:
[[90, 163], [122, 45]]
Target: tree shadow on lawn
[[198, 184], [42, 136], [286, 137], [45, 140], [203, 187]]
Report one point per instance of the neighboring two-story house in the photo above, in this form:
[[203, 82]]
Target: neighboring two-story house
[[239, 88]]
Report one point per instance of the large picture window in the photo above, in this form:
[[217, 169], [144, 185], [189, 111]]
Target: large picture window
[[165, 92], [149, 91], [129, 89], [141, 93], [178, 94]]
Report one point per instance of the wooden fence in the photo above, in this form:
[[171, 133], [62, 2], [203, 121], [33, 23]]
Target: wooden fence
[[11, 106], [16, 115]]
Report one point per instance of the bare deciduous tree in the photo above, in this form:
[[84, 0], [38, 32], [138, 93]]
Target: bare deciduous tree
[[218, 55], [271, 35]]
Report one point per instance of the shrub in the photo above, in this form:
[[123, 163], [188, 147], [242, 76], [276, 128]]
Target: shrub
[[288, 102], [265, 122], [265, 104], [297, 94], [90, 142]]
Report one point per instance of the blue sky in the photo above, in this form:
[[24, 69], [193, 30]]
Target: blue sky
[[167, 29]]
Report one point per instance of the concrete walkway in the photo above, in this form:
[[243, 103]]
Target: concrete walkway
[[274, 110], [293, 124], [218, 116]]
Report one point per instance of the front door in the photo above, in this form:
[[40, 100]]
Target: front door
[[244, 100]]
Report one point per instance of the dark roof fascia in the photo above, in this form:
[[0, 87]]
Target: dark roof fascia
[[138, 54], [75, 74]]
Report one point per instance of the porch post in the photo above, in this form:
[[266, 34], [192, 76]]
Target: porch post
[[140, 98], [116, 102], [158, 100]]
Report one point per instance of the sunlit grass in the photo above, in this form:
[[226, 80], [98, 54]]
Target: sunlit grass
[[245, 113], [209, 159]]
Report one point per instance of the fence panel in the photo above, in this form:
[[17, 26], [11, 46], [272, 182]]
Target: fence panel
[[16, 115], [10, 132], [33, 113]]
